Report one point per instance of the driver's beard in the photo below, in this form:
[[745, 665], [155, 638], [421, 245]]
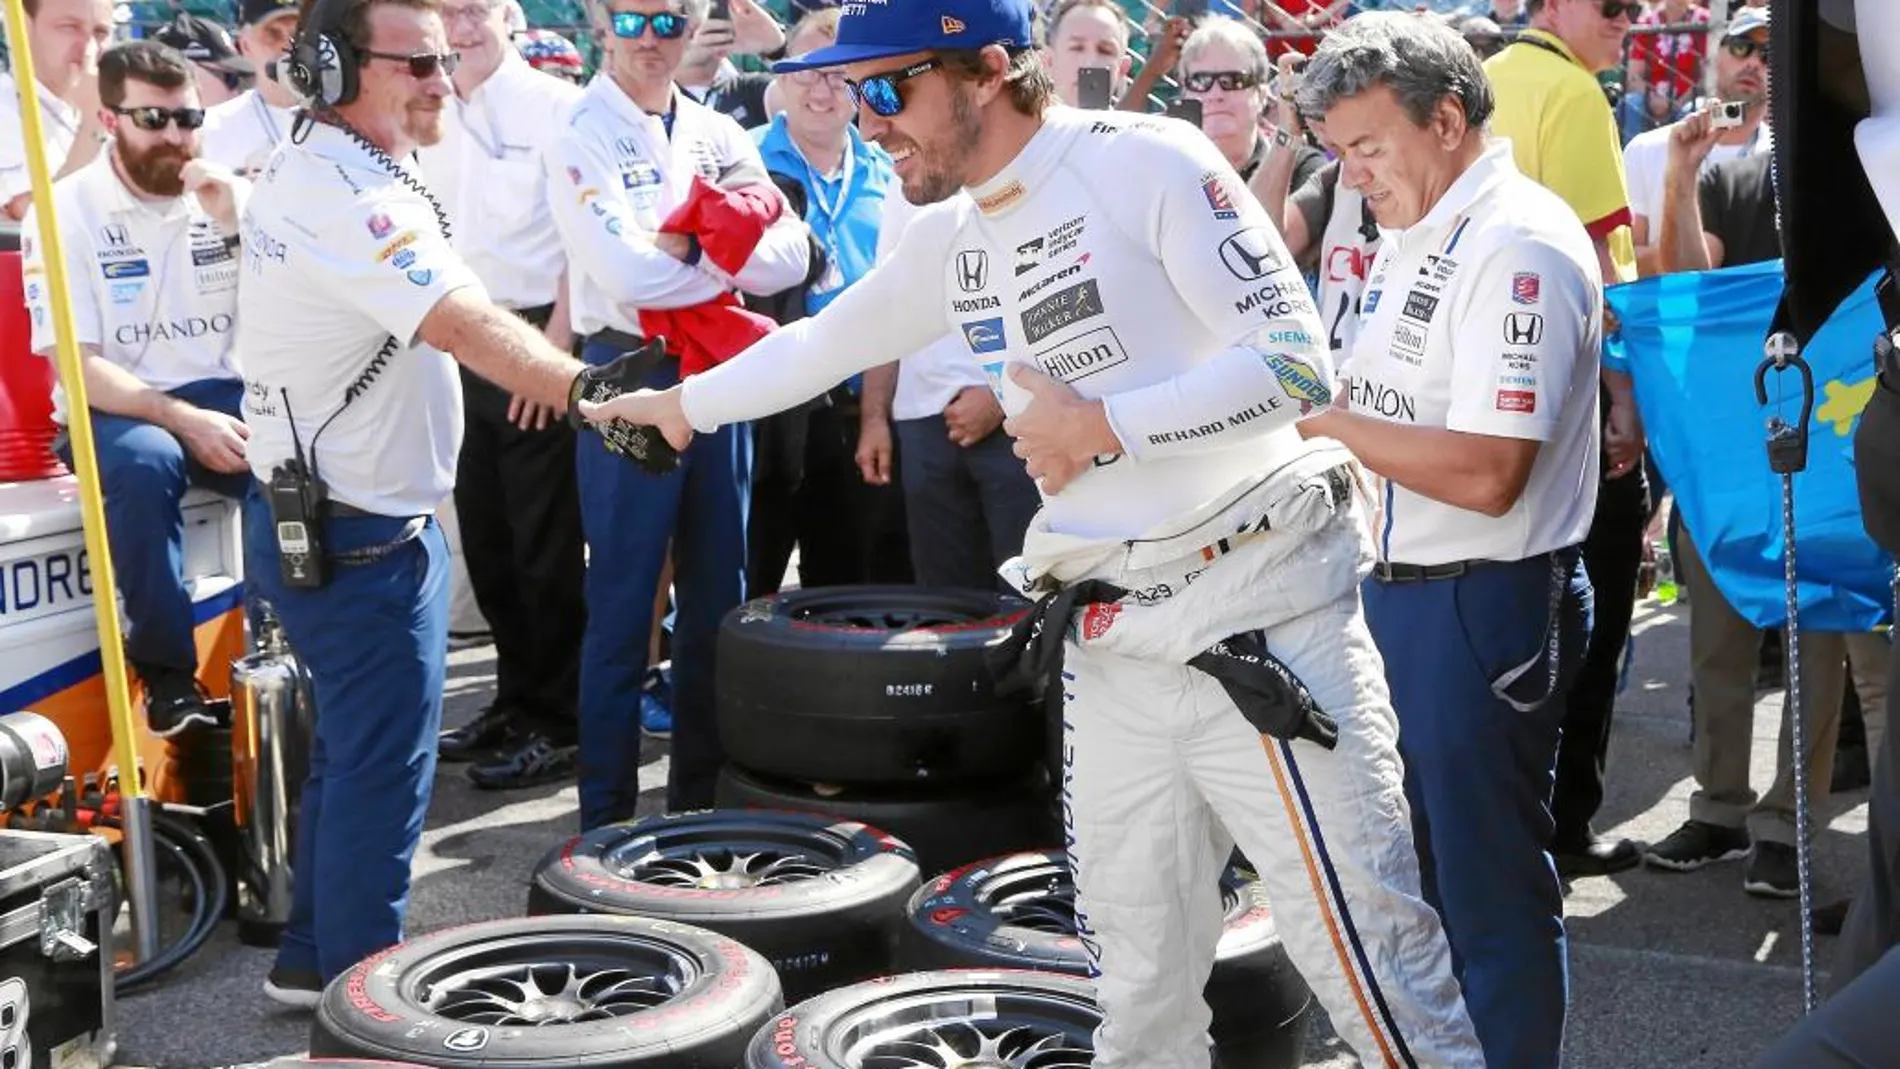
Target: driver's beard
[[158, 170], [944, 156]]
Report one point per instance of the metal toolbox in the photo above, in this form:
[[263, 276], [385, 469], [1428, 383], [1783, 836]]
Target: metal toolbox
[[57, 905]]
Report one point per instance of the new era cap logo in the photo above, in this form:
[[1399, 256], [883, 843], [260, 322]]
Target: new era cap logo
[[952, 26]]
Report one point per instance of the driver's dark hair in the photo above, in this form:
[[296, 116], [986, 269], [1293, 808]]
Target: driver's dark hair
[[1031, 90]]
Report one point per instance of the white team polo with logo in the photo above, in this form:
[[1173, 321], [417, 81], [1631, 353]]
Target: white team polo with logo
[[153, 283], [1486, 317], [343, 260]]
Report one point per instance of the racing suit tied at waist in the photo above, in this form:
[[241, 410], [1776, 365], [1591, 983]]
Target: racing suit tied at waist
[[1220, 571], [1203, 593]]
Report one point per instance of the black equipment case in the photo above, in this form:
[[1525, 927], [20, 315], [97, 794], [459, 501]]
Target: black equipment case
[[58, 901]]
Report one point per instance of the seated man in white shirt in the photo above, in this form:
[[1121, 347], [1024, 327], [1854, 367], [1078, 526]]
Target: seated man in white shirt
[[64, 38], [241, 132], [150, 241]]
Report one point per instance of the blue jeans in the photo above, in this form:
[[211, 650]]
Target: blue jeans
[[1480, 758], [375, 640], [630, 516], [967, 508], [145, 472]]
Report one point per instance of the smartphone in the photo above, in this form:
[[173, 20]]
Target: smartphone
[[720, 9], [1727, 114], [1185, 108], [1190, 9], [1091, 88]]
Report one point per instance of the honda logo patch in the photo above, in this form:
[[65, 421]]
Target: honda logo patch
[[973, 270], [1523, 328], [1249, 254]]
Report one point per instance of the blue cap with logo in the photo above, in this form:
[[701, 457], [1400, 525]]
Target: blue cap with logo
[[874, 29]]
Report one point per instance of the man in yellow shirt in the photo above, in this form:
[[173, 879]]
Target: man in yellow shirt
[[1563, 134]]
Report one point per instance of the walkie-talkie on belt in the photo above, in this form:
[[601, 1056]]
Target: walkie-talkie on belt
[[297, 500]]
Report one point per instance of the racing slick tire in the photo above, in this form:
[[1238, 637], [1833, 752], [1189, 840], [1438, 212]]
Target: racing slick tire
[[960, 1017], [821, 899], [1018, 911], [595, 991], [874, 686], [294, 1062], [944, 827]]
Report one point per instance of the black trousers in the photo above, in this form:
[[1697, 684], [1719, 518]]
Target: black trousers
[[1613, 555], [846, 531], [520, 518]]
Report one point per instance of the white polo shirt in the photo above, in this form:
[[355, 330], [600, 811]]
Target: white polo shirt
[[487, 170], [153, 282], [58, 120], [930, 378], [1485, 317], [242, 132], [616, 172], [342, 261]]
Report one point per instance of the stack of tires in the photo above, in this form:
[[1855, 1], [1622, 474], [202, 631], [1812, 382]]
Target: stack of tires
[[870, 746], [876, 704]]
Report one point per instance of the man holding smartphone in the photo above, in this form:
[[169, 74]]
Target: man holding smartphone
[[1087, 52], [1153, 348]]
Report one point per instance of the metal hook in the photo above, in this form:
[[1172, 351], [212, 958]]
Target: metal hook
[[1784, 353]]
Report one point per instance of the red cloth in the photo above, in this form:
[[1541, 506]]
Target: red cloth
[[728, 224]]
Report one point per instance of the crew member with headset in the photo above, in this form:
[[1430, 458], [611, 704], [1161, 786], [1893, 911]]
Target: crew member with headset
[[151, 263], [354, 300], [515, 499], [242, 131]]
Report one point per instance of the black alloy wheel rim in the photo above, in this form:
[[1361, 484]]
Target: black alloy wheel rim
[[1041, 898], [971, 1028], [561, 979], [726, 858], [871, 611]]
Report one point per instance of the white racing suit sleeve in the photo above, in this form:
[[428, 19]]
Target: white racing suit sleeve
[[893, 310], [1227, 261]]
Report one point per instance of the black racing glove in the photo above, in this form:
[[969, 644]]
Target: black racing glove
[[1269, 695], [643, 445]]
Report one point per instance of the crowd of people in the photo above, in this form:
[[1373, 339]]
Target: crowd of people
[[894, 306]]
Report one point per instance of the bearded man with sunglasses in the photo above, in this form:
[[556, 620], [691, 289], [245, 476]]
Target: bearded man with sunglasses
[[151, 260], [1196, 560]]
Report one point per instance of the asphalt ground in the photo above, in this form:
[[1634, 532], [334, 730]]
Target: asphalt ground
[[1668, 971]]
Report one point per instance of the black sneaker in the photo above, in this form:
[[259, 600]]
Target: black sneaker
[[537, 761], [299, 989], [1695, 844], [1773, 872], [174, 701]]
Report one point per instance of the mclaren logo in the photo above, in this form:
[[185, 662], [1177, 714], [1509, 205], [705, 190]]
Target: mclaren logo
[[1249, 254], [1523, 328], [973, 270]]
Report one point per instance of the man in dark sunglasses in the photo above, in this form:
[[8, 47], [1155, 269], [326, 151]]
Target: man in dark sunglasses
[[1153, 346], [634, 154], [222, 72], [150, 252]]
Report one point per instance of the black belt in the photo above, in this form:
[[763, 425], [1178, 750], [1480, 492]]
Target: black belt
[[1420, 573], [370, 554], [1425, 573]]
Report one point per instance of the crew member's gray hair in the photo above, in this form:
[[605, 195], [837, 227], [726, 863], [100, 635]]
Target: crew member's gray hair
[[692, 9], [1219, 29], [1421, 60]]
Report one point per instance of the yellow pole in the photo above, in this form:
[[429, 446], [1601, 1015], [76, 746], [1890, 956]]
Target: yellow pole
[[86, 466]]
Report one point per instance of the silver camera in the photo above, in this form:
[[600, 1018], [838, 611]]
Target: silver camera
[[1727, 114]]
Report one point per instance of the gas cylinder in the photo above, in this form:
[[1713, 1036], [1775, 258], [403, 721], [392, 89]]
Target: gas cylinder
[[273, 718]]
